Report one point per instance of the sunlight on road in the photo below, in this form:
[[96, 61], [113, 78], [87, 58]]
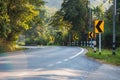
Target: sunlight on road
[[59, 74], [16, 67]]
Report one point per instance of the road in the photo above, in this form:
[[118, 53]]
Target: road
[[54, 63]]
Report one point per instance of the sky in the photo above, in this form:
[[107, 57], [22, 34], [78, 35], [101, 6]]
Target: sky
[[95, 3], [54, 3], [57, 3]]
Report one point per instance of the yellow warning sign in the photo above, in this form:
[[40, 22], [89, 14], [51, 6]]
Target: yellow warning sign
[[90, 35], [99, 26]]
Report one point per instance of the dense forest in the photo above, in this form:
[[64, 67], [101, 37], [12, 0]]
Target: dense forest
[[42, 25]]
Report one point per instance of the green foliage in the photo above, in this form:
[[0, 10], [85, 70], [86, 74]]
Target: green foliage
[[4, 20], [108, 34], [20, 13], [71, 19], [107, 16], [15, 16], [98, 12], [75, 12], [37, 33], [118, 50]]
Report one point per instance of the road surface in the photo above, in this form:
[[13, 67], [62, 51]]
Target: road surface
[[54, 63]]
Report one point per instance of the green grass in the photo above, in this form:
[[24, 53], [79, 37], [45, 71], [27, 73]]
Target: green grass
[[106, 56]]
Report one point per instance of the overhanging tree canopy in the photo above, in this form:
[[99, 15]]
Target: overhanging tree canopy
[[15, 16]]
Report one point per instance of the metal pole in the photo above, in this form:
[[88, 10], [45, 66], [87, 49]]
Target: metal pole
[[114, 31], [95, 46], [91, 43], [100, 43], [69, 39]]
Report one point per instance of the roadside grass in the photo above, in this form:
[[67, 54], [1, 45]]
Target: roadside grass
[[17, 48], [106, 56]]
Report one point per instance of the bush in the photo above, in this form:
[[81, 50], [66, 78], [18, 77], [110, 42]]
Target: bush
[[21, 43]]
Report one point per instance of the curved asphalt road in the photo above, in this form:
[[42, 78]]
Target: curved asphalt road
[[54, 63]]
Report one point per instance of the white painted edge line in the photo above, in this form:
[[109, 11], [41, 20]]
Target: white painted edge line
[[72, 57]]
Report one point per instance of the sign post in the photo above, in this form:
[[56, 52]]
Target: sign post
[[94, 44], [99, 28], [114, 26], [90, 36], [100, 43]]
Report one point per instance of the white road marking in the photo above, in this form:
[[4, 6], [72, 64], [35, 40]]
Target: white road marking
[[72, 57], [65, 60]]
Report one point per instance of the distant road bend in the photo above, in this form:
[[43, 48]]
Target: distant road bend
[[54, 63]]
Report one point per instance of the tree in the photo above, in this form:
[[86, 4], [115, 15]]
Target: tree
[[61, 26], [4, 20], [74, 14], [98, 12], [107, 36], [41, 31], [15, 20], [118, 9]]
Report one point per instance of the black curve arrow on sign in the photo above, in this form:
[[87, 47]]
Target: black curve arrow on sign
[[91, 34], [98, 26]]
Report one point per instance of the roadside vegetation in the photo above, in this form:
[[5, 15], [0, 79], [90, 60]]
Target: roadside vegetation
[[17, 48], [106, 56]]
